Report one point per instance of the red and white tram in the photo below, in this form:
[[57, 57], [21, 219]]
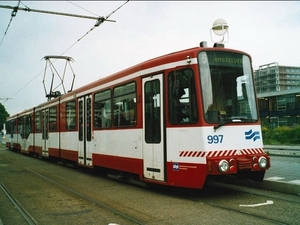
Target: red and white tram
[[173, 120]]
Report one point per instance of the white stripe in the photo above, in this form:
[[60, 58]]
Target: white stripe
[[295, 182], [269, 202], [274, 178]]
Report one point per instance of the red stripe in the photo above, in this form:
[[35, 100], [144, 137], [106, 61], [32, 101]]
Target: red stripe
[[199, 154], [190, 153]]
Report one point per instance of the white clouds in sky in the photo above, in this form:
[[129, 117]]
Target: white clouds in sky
[[268, 31]]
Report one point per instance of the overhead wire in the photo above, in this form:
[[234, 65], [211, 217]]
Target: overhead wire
[[13, 14], [82, 8], [24, 5], [53, 61], [98, 23]]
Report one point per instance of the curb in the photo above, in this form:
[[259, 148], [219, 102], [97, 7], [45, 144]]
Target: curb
[[282, 150], [289, 154], [283, 147], [281, 187], [283, 153]]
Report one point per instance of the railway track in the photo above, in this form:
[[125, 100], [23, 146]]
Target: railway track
[[82, 196], [216, 190], [233, 210], [24, 214], [89, 202]]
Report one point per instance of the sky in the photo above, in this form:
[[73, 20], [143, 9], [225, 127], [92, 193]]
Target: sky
[[269, 31]]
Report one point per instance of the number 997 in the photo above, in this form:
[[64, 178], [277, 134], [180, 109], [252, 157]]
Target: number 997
[[214, 139]]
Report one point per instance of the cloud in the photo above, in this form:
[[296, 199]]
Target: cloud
[[268, 31]]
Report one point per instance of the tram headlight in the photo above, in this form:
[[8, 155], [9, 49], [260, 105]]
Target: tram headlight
[[223, 166], [262, 162]]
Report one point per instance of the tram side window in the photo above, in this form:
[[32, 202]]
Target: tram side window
[[52, 119], [125, 105], [27, 126], [14, 127], [182, 97], [20, 126], [102, 109], [8, 126], [38, 122], [71, 115]]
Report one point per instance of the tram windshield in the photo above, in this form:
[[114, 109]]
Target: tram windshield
[[227, 87]]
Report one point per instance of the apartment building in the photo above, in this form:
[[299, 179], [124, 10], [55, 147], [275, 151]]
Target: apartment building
[[278, 90]]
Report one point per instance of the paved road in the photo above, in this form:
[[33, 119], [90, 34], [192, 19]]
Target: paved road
[[284, 174], [284, 169], [153, 206], [285, 166]]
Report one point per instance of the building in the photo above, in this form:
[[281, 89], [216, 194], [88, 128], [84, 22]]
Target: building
[[278, 91]]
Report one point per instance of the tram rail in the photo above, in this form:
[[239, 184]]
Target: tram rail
[[27, 217], [151, 205], [80, 195]]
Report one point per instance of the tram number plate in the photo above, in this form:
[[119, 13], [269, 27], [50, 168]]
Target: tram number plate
[[214, 139]]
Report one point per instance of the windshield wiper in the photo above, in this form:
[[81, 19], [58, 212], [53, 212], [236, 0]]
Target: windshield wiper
[[222, 123], [233, 119]]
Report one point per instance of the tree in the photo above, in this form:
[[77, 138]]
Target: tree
[[3, 115]]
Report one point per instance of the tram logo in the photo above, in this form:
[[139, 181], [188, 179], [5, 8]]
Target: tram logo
[[175, 166], [249, 135]]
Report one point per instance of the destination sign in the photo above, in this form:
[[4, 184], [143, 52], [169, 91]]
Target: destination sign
[[219, 58]]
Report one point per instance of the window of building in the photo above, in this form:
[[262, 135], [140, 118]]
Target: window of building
[[263, 104], [281, 103], [272, 104], [297, 101], [290, 101]]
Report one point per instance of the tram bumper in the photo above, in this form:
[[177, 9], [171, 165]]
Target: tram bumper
[[244, 167]]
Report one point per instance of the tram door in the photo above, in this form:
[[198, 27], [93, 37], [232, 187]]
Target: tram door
[[153, 132], [85, 143], [45, 133]]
